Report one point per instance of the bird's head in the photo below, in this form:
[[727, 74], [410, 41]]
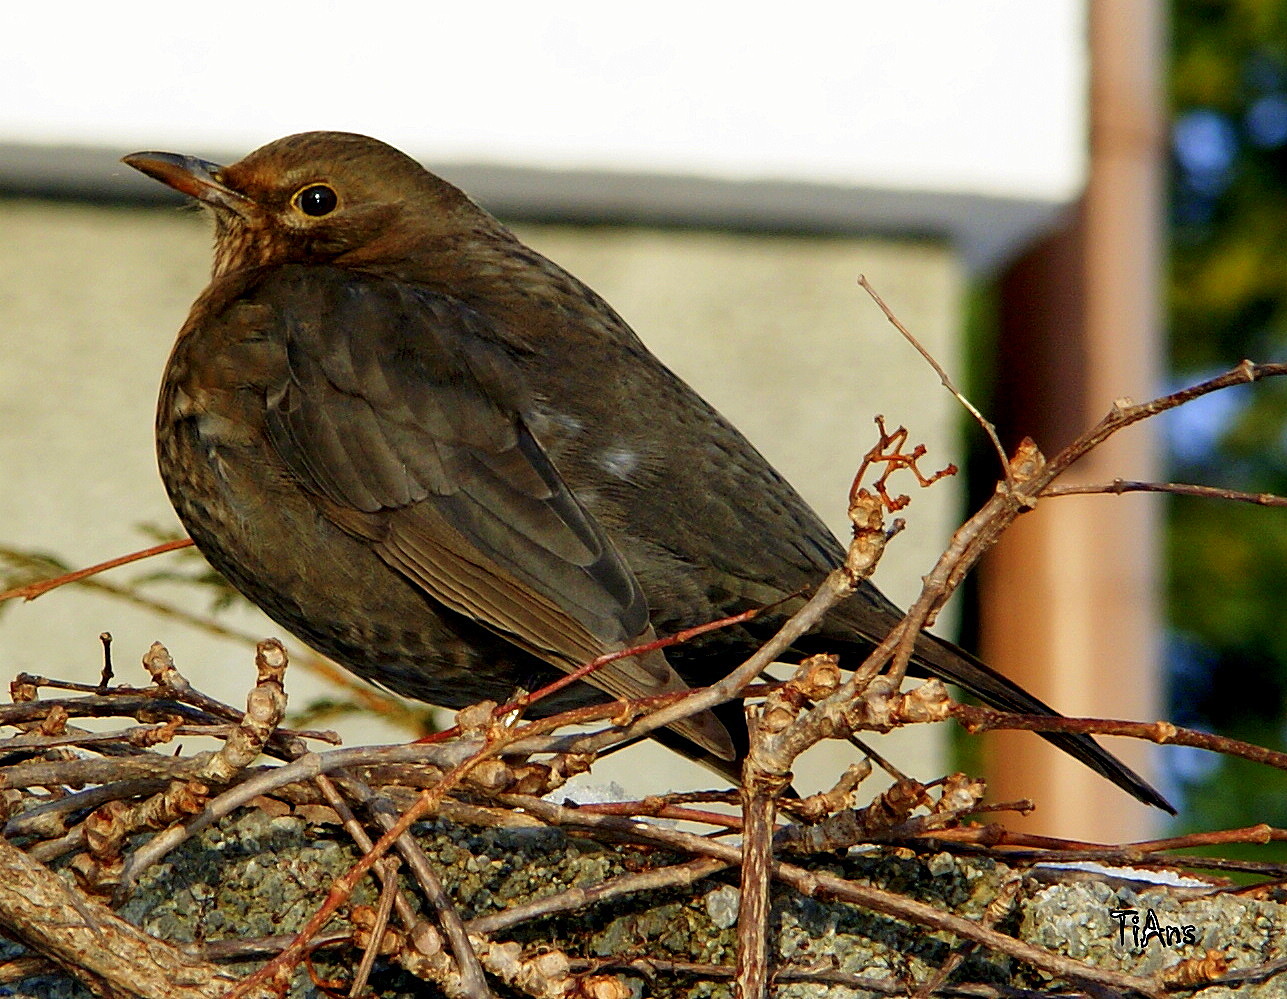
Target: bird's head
[[316, 197]]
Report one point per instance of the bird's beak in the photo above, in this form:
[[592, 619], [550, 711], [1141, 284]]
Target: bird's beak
[[194, 177]]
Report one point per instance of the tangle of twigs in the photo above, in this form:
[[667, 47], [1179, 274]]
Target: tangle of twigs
[[113, 806]]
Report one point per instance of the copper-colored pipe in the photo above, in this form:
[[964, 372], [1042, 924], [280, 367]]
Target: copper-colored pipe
[[1070, 597]]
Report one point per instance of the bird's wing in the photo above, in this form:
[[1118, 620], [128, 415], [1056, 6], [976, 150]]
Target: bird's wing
[[402, 419]]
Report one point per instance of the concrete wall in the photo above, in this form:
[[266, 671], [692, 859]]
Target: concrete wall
[[772, 329]]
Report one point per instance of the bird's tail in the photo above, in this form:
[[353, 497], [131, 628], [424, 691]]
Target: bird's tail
[[953, 664]]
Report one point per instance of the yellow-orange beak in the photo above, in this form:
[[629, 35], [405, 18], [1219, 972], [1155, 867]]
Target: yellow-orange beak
[[194, 177]]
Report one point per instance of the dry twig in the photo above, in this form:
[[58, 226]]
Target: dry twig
[[136, 787]]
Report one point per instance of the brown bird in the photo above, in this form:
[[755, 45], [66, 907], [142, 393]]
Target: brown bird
[[444, 462]]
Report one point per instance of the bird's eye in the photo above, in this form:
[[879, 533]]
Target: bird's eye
[[317, 200]]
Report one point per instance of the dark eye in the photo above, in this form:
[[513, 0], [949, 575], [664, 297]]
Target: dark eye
[[317, 200]]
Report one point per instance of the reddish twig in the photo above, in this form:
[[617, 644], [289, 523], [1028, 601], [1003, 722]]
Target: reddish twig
[[679, 638], [29, 591], [339, 893], [888, 451], [520, 704]]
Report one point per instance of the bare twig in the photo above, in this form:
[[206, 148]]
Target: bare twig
[[986, 425], [863, 554], [1120, 486], [32, 590], [389, 891], [760, 789], [583, 897], [265, 709], [679, 638], [362, 694], [979, 719], [386, 873], [813, 705], [15, 969], [1124, 413], [650, 967], [997, 910], [654, 808], [109, 955], [498, 740], [105, 677], [472, 981]]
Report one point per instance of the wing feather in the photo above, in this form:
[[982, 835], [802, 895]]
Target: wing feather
[[408, 424]]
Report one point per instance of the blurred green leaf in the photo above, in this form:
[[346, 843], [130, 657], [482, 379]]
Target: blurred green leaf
[[1227, 299]]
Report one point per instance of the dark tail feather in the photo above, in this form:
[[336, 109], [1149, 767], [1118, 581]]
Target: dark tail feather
[[957, 666], [948, 662], [733, 716]]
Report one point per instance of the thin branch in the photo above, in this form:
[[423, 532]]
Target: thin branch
[[861, 558], [354, 828], [792, 716], [1124, 413], [30, 591], [472, 980], [998, 909], [389, 892], [979, 719], [520, 704], [1119, 486], [343, 887], [387, 705], [649, 967], [660, 810], [581, 898], [987, 426]]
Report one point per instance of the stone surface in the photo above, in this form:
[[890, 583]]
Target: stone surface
[[255, 874]]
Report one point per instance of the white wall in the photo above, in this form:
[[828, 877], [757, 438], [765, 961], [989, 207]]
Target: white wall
[[868, 99]]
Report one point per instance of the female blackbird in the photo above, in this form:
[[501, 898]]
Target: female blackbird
[[446, 463]]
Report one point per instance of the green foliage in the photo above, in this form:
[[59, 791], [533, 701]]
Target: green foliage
[[1228, 289], [20, 567], [1226, 575], [1227, 298]]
